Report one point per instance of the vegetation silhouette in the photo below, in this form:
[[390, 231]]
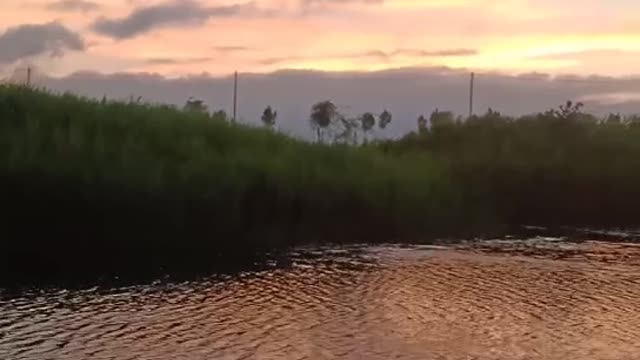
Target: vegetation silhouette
[[91, 185], [269, 117], [558, 167], [103, 186]]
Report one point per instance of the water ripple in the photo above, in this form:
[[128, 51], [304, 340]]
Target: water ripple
[[536, 299]]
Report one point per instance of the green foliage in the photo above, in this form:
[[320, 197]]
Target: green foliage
[[220, 115], [614, 118], [86, 181], [195, 105], [441, 119], [560, 167], [89, 183]]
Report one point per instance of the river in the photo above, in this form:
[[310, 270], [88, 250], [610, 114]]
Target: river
[[535, 299]]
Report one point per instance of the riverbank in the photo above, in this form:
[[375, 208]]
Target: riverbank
[[87, 184], [90, 186], [555, 168]]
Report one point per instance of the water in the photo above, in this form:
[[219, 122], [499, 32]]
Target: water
[[540, 299]]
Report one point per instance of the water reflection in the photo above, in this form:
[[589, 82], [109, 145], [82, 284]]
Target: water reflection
[[498, 300]]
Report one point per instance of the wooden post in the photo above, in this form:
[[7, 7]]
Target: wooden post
[[235, 95], [29, 76], [471, 94]]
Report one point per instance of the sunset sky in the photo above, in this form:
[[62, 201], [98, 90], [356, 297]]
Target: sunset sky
[[218, 36]]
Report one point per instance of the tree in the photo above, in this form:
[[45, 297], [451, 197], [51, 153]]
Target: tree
[[571, 112], [269, 117], [368, 121], [570, 109], [614, 118], [322, 115], [195, 105], [422, 125], [348, 132], [385, 119], [441, 118], [632, 120], [220, 115]]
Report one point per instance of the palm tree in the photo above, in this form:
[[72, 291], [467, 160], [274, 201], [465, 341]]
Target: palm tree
[[385, 119], [368, 122], [322, 115], [269, 117], [422, 125]]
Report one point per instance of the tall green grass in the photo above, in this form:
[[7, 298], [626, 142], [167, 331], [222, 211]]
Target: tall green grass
[[109, 186], [553, 168], [90, 184]]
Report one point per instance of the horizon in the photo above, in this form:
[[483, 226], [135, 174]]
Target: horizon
[[20, 72], [407, 93]]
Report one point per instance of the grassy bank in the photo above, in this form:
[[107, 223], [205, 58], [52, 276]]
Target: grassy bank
[[112, 187], [559, 167], [86, 184]]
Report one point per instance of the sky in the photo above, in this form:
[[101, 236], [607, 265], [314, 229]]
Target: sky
[[177, 38], [407, 56]]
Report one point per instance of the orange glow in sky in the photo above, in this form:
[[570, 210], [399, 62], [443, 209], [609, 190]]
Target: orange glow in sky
[[195, 36]]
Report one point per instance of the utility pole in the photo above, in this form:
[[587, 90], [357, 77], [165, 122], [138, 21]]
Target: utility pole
[[471, 94], [29, 76], [235, 95]]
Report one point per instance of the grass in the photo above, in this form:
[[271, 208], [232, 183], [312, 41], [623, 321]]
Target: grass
[[548, 169], [90, 186], [87, 184]]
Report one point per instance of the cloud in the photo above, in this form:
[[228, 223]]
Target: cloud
[[612, 98], [73, 5], [32, 40], [281, 59], [172, 61], [173, 14], [379, 54], [231, 48], [437, 53], [341, 2]]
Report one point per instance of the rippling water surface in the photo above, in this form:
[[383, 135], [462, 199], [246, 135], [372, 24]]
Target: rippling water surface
[[539, 299]]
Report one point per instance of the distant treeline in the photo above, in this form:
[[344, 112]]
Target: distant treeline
[[558, 167], [113, 187]]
